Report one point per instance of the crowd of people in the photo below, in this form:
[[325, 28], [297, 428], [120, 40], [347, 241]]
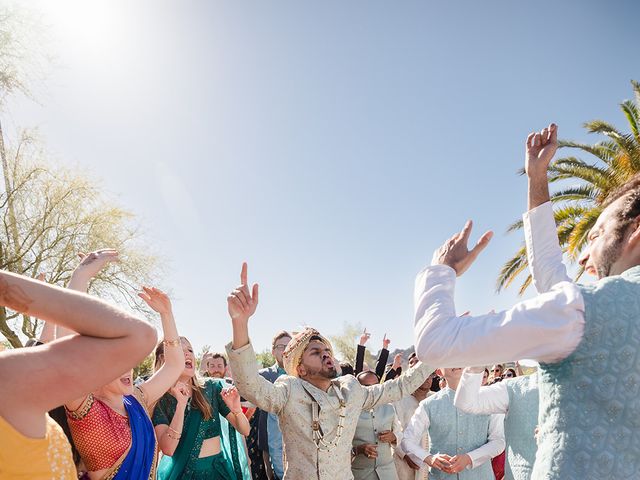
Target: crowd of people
[[459, 407]]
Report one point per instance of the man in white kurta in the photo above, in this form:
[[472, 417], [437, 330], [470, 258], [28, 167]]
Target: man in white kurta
[[517, 399], [461, 445], [318, 412], [405, 409], [584, 337]]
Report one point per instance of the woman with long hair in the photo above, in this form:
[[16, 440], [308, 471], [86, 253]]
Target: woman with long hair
[[108, 341], [111, 427], [189, 424]]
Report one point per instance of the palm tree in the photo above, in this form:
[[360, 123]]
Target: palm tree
[[584, 185]]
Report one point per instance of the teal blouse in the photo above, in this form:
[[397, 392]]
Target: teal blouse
[[166, 408]]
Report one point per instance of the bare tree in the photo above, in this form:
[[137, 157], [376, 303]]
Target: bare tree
[[55, 214]]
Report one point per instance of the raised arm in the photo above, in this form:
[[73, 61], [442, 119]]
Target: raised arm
[[267, 396], [381, 363], [360, 351], [546, 328], [168, 374], [90, 265], [543, 249], [471, 398], [109, 342], [394, 390]]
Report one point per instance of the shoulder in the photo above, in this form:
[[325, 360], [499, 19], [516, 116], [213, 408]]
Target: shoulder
[[88, 404], [436, 397]]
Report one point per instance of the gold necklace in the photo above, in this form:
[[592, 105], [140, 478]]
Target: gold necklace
[[318, 435]]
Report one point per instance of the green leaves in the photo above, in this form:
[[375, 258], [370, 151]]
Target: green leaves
[[584, 186]]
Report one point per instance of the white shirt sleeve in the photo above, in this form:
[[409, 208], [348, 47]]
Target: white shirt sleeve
[[472, 397], [412, 436], [397, 430], [543, 249], [546, 328], [495, 442]]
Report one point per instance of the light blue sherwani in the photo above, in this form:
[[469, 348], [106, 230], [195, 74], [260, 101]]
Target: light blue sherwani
[[590, 401], [519, 425], [454, 432]]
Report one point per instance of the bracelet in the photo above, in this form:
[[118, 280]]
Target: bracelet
[[174, 431], [174, 434], [238, 413], [171, 343]]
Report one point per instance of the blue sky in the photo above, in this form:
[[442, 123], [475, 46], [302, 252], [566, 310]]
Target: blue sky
[[333, 145]]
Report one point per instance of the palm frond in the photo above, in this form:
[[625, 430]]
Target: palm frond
[[572, 167], [577, 192], [636, 91], [512, 268], [515, 226], [578, 237], [630, 111], [526, 284], [603, 150]]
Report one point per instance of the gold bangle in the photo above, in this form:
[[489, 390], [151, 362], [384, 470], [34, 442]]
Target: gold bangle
[[171, 343], [174, 431]]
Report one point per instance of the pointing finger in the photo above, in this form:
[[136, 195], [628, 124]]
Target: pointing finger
[[481, 245], [466, 231], [243, 274]]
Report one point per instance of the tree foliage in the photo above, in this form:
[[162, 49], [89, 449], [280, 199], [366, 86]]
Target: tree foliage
[[51, 213], [583, 185]]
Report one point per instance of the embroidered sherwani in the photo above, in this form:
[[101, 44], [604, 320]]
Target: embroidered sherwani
[[294, 399]]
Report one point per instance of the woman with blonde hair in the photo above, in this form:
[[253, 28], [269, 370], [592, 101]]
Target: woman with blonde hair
[[189, 423]]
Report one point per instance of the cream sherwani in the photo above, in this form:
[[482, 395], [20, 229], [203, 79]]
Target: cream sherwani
[[405, 409], [293, 400]]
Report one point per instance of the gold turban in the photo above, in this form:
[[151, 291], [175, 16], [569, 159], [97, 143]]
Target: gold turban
[[292, 355]]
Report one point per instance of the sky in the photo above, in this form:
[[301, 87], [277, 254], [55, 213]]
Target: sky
[[332, 145]]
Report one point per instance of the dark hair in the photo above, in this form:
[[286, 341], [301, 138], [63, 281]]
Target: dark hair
[[631, 206], [219, 355], [413, 354], [367, 372], [347, 368], [512, 370], [279, 335]]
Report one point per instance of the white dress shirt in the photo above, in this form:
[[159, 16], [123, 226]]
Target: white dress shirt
[[547, 328], [472, 397], [420, 423]]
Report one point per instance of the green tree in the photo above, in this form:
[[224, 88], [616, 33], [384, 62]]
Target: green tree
[[265, 358], [583, 185], [344, 345], [59, 212]]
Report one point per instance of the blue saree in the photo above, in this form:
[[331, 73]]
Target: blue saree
[[140, 461]]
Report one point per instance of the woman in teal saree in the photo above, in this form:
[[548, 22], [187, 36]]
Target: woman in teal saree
[[189, 425]]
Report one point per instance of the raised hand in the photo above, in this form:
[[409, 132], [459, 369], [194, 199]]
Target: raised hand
[[455, 253], [156, 299], [91, 264], [180, 391], [541, 147], [231, 398], [397, 361], [241, 303], [364, 338], [385, 342]]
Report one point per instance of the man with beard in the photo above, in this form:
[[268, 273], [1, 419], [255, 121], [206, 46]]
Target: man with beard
[[318, 411], [216, 366], [461, 445], [586, 338]]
